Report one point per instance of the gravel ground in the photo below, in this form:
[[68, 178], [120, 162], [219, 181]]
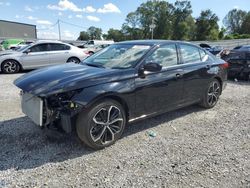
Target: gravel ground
[[192, 148]]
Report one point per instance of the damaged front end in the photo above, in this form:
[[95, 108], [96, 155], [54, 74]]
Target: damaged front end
[[56, 109]]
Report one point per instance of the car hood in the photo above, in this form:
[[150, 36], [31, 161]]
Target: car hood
[[63, 78], [8, 52]]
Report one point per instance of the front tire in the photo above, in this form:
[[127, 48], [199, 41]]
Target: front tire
[[212, 94], [73, 60], [10, 67], [102, 125]]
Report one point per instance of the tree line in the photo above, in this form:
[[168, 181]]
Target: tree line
[[165, 20]]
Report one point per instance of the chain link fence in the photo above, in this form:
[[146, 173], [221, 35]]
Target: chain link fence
[[227, 44]]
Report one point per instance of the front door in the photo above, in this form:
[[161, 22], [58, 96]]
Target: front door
[[36, 56], [160, 91]]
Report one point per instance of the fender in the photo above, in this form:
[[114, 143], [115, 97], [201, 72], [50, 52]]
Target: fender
[[122, 90]]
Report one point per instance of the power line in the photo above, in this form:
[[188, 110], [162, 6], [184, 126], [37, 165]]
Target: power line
[[48, 28], [58, 23], [73, 25]]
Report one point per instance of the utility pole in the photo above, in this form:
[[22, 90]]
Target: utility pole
[[59, 29], [152, 27]]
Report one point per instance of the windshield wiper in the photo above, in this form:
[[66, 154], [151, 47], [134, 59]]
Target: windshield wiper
[[119, 67], [94, 65]]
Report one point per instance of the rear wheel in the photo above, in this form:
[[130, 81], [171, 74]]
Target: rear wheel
[[73, 60], [212, 94], [10, 66], [102, 124]]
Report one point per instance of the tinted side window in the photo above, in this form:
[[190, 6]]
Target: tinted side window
[[67, 47], [165, 56], [59, 47], [40, 48], [190, 54]]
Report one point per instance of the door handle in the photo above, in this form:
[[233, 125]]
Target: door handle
[[208, 66], [178, 75]]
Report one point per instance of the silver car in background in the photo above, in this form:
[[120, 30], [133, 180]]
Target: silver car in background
[[39, 54]]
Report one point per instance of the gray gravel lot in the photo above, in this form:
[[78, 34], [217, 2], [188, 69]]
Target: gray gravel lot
[[192, 148]]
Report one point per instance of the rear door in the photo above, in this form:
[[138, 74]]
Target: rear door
[[160, 91], [195, 65], [36, 56], [59, 53]]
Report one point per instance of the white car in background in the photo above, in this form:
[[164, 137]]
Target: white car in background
[[93, 49], [39, 54], [92, 46]]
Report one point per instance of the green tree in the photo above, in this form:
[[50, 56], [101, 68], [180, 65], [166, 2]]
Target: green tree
[[222, 33], [131, 29], [95, 33], [115, 34], [158, 13], [207, 27], [183, 22], [245, 27], [234, 20], [83, 36]]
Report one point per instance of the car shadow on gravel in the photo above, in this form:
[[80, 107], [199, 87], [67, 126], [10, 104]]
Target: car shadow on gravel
[[25, 146], [152, 122]]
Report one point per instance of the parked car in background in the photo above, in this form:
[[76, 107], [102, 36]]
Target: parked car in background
[[39, 54], [239, 62], [242, 48], [93, 43], [93, 49], [8, 43], [215, 50], [122, 83]]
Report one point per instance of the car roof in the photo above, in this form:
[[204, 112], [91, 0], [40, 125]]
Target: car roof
[[152, 42], [48, 41]]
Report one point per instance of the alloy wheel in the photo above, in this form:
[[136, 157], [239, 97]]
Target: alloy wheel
[[106, 124], [10, 67], [73, 60]]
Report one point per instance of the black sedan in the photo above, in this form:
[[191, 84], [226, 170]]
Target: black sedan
[[122, 83]]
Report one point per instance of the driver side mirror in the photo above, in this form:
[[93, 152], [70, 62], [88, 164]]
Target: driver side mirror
[[27, 51], [152, 67]]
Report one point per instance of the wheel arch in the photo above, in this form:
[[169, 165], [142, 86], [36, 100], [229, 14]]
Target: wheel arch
[[220, 81], [112, 96], [73, 57]]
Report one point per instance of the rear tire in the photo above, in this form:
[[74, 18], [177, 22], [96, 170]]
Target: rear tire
[[10, 66], [101, 125], [73, 60], [212, 94]]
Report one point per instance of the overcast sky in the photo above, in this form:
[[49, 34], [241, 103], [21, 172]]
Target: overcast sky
[[85, 13]]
